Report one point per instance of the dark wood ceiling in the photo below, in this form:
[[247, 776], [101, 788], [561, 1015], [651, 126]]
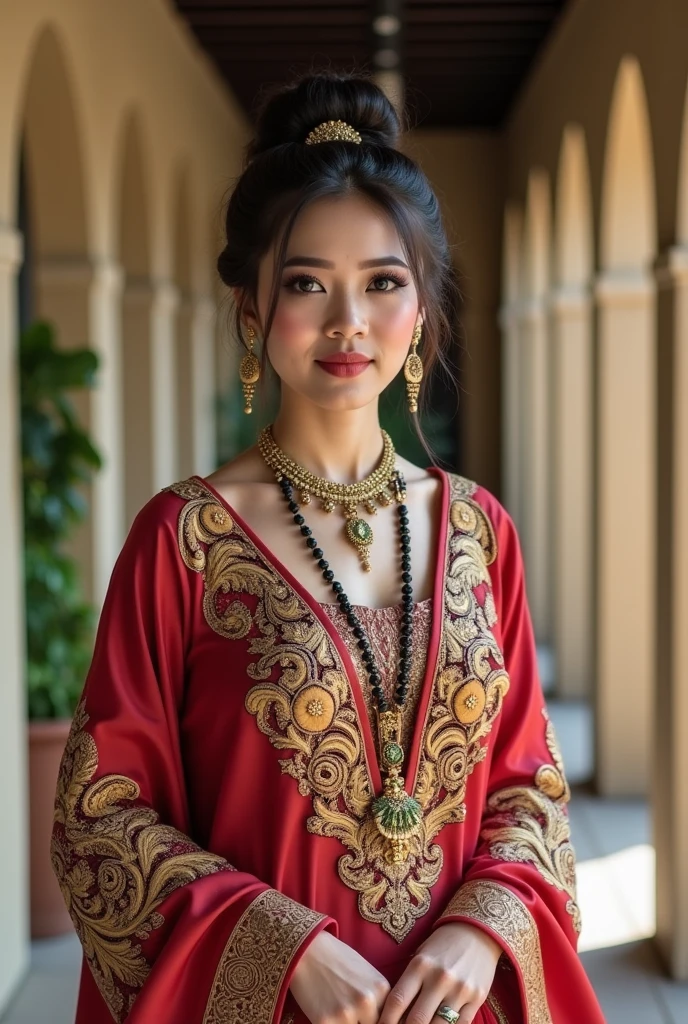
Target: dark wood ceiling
[[463, 62]]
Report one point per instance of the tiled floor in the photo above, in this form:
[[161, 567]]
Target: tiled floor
[[615, 874]]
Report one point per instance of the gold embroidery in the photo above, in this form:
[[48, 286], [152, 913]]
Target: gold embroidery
[[297, 665], [529, 825], [115, 865], [254, 962], [313, 709], [551, 779], [501, 910], [497, 1010]]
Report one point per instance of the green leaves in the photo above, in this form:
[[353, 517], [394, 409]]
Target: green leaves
[[58, 459]]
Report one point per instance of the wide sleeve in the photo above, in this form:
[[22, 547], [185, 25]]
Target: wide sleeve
[[519, 885], [169, 931]]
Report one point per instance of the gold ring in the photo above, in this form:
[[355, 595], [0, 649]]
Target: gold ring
[[446, 1013]]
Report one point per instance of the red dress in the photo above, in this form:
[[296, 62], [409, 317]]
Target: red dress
[[213, 806]]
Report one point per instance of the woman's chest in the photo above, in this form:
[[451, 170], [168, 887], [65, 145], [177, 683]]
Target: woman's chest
[[302, 547]]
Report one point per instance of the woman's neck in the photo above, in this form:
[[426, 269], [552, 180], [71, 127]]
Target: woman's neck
[[340, 446]]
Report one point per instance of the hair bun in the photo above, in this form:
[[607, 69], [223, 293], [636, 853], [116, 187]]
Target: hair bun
[[288, 115]]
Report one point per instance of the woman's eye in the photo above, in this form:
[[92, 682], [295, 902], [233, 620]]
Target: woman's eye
[[386, 283], [303, 284]]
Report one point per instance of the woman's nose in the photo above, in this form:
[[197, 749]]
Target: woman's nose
[[346, 319]]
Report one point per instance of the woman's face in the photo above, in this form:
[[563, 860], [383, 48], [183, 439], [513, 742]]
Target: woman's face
[[346, 288]]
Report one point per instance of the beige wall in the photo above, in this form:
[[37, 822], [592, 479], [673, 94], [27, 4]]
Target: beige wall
[[78, 82]]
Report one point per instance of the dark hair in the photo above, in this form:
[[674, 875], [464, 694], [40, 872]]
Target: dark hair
[[282, 175]]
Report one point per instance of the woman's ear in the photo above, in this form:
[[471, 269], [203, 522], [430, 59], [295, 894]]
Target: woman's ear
[[246, 307]]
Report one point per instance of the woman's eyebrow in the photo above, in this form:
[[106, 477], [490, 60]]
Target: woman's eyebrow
[[315, 261]]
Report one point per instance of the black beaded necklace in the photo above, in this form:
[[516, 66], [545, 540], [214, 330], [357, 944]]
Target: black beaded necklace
[[397, 815]]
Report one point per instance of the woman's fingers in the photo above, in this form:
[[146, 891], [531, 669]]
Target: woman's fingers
[[403, 993], [424, 1010]]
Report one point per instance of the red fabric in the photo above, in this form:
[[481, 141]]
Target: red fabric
[[165, 706]]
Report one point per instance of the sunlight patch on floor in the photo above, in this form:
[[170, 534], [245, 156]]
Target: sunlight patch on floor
[[616, 895]]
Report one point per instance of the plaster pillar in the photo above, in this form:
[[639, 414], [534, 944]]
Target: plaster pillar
[[184, 382], [572, 482], [196, 381], [670, 763], [14, 857], [106, 417], [203, 389], [625, 530], [535, 447], [164, 307], [150, 391], [512, 412]]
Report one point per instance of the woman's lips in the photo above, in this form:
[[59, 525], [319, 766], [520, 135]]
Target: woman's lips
[[344, 369]]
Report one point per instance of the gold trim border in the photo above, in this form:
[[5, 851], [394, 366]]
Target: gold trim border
[[256, 958], [501, 910]]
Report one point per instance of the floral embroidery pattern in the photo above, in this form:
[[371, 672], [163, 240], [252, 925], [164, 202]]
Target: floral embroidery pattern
[[302, 699], [529, 825], [115, 864], [254, 963], [501, 910]]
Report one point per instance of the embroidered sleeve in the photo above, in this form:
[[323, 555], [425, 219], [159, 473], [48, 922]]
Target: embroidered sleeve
[[519, 883], [162, 921]]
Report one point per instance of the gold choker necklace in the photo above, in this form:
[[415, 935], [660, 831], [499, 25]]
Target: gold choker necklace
[[380, 486]]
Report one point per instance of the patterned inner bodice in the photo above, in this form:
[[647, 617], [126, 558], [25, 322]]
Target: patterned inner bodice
[[382, 626]]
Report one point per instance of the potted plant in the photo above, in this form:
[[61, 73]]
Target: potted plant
[[58, 459]]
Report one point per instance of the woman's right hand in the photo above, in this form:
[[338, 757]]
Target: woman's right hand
[[333, 984]]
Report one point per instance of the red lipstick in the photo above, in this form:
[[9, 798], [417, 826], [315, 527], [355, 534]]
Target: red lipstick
[[344, 364]]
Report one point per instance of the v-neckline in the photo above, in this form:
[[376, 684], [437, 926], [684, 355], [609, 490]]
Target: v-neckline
[[355, 687]]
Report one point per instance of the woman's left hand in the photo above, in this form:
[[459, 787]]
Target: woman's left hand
[[455, 967]]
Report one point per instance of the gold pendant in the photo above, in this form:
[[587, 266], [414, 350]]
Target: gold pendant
[[397, 815], [360, 534]]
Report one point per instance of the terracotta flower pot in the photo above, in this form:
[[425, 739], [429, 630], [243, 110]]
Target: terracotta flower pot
[[46, 743]]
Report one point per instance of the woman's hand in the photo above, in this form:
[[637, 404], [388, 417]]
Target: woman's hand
[[455, 967], [333, 984]]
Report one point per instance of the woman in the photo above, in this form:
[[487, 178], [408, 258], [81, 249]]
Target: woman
[[311, 777]]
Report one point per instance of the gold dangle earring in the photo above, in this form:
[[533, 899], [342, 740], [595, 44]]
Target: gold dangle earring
[[413, 370], [249, 372]]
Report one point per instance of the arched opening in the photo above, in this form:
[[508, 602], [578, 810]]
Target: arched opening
[[572, 420], [137, 382], [626, 438], [535, 392], [56, 277]]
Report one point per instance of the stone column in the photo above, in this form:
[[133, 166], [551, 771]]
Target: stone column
[[512, 412], [534, 442], [670, 785], [203, 386], [165, 303], [106, 422], [150, 392], [136, 396], [625, 530], [14, 856], [572, 490]]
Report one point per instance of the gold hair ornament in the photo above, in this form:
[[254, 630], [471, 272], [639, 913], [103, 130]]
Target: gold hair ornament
[[413, 370], [249, 372], [333, 131]]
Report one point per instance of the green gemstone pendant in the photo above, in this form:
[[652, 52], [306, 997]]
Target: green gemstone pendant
[[361, 536], [397, 815], [393, 754]]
